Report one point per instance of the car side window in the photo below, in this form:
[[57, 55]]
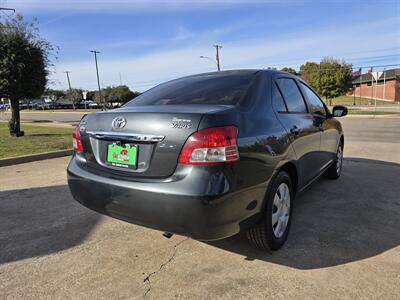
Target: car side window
[[315, 104], [292, 95], [277, 99]]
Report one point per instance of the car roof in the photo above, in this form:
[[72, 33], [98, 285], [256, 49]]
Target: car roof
[[239, 72], [268, 72]]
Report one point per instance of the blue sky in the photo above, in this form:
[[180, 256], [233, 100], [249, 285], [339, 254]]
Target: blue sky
[[148, 42]]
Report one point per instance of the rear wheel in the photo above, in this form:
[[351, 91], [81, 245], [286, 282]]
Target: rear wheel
[[335, 169], [272, 230]]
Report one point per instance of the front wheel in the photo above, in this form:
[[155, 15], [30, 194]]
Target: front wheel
[[272, 230], [335, 169]]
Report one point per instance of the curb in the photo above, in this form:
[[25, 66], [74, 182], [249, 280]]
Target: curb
[[34, 157], [53, 124], [371, 116]]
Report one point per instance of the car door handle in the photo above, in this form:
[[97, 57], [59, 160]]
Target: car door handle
[[295, 130]]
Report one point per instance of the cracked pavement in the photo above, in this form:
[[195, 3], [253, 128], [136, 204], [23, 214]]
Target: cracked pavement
[[147, 278], [344, 242]]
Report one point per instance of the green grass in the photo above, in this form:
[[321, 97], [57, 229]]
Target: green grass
[[371, 112], [349, 100], [37, 139], [63, 110]]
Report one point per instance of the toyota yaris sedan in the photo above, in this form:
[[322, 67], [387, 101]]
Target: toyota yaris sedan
[[209, 155]]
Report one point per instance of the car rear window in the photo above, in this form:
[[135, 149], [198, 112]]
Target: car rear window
[[203, 89]]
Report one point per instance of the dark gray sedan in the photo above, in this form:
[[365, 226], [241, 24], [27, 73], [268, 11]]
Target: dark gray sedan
[[209, 155]]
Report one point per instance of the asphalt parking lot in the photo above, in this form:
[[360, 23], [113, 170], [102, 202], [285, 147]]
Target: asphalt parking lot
[[344, 242]]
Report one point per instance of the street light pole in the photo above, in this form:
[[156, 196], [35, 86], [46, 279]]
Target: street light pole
[[217, 47], [97, 72], [209, 58]]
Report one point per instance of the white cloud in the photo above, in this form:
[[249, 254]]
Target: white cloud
[[127, 5], [142, 72], [183, 33]]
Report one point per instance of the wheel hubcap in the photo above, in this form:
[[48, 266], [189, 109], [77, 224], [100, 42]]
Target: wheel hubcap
[[281, 210], [339, 159]]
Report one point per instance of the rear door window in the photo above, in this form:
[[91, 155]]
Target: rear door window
[[315, 104], [278, 102], [292, 95]]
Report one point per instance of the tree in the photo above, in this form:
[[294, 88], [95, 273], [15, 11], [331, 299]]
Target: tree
[[120, 94], [90, 95], [290, 70], [336, 78], [104, 95], [331, 77], [55, 94], [310, 73], [75, 95], [24, 58]]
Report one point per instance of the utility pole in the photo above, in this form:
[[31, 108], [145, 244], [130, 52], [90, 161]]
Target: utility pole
[[69, 82], [360, 83], [97, 72], [372, 84], [384, 83], [319, 78], [70, 90], [120, 78], [217, 47]]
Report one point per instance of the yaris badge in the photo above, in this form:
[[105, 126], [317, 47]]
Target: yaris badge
[[119, 123]]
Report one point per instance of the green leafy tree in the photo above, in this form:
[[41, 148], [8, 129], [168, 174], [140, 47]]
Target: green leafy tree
[[290, 70], [24, 59], [104, 96], [331, 78], [336, 78], [120, 94], [310, 73], [75, 95], [55, 94], [90, 95]]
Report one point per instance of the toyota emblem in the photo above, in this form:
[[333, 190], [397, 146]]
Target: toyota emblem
[[119, 123]]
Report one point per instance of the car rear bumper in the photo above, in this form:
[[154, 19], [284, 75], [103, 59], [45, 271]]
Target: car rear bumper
[[196, 201]]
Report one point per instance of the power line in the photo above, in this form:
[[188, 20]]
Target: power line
[[302, 60]]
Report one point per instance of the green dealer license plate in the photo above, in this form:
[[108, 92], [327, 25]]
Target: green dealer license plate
[[122, 155]]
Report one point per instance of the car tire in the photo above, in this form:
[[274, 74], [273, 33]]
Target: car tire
[[265, 235], [335, 169]]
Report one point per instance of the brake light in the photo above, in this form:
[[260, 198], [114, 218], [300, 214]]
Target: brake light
[[211, 146], [77, 140]]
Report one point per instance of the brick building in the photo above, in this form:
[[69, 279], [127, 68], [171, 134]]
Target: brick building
[[385, 87]]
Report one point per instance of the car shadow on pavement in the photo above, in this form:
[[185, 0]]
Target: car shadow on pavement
[[338, 221], [40, 221]]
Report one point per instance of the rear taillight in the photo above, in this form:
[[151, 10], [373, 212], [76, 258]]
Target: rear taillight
[[211, 146], [77, 140]]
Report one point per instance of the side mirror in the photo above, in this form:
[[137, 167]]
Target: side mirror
[[339, 111]]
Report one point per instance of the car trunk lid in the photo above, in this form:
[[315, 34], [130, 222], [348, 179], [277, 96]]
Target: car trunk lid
[[157, 133]]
